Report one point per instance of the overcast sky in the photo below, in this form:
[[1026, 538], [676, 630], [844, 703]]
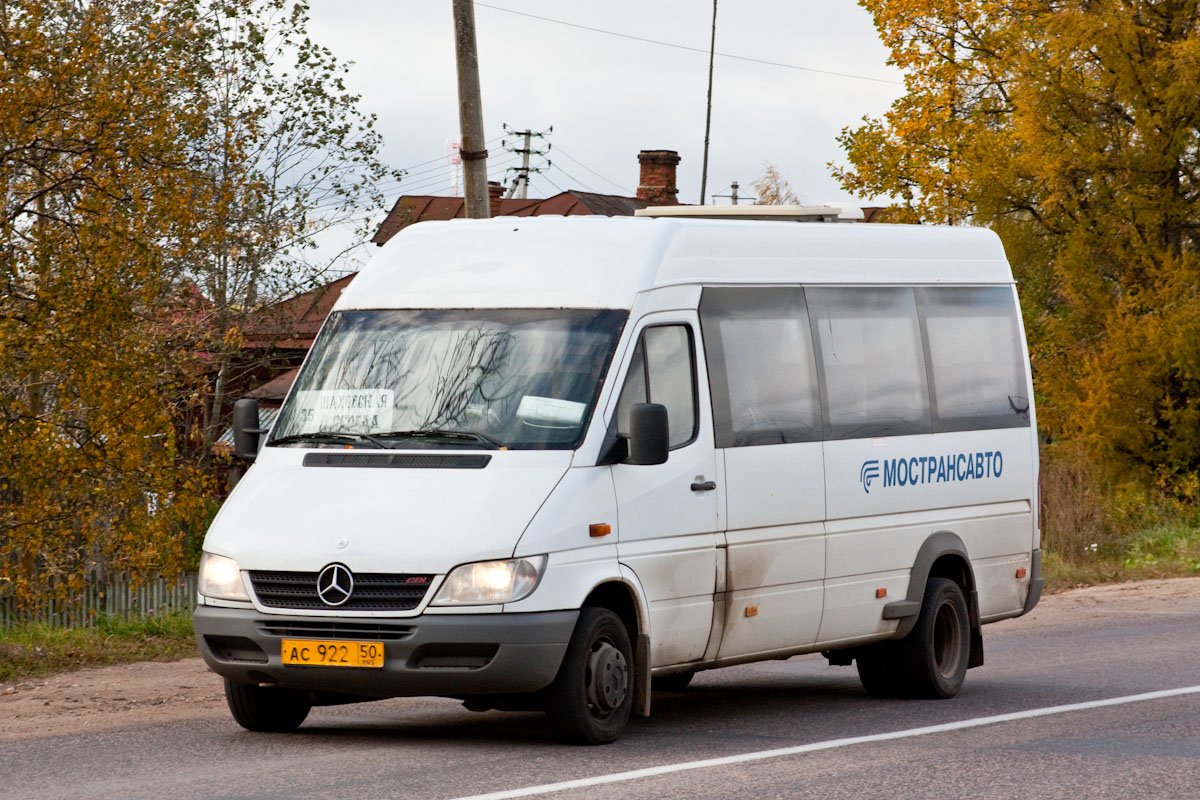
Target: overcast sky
[[609, 97]]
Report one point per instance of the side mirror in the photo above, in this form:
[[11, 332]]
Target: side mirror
[[246, 430], [648, 434]]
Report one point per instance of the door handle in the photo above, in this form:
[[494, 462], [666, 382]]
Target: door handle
[[704, 486]]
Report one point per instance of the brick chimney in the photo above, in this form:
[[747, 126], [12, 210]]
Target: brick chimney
[[495, 192], [657, 185]]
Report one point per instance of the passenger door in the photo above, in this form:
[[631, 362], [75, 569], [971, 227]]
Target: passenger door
[[668, 513]]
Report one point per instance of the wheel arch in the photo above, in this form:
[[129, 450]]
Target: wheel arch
[[623, 596], [620, 598], [942, 555]]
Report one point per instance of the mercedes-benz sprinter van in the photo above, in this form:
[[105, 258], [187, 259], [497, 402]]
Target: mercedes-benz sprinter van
[[551, 462]]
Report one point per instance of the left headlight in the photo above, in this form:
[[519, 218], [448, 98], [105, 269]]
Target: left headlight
[[221, 578], [491, 582]]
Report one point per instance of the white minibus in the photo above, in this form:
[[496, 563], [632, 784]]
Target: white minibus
[[552, 463]]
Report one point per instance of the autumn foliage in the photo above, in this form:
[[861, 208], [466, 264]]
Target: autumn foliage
[[1073, 130], [147, 207]]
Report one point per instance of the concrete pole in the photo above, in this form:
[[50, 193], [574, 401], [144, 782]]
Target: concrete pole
[[470, 112], [523, 182]]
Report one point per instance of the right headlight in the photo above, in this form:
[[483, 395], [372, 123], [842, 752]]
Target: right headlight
[[491, 582], [221, 578]]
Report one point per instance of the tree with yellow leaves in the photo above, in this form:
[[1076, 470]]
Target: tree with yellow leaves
[[1072, 129], [772, 189], [159, 174], [94, 185]]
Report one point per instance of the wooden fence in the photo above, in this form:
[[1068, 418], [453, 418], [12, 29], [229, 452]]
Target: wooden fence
[[117, 597]]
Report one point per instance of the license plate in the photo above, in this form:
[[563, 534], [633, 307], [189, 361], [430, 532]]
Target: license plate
[[332, 653]]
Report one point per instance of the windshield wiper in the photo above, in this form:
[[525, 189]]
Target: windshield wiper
[[435, 433], [330, 437]]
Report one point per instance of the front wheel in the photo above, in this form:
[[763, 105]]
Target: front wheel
[[590, 700], [267, 709]]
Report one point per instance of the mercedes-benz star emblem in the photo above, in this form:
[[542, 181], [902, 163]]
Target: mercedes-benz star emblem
[[334, 584]]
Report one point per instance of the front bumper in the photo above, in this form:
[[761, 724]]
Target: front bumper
[[448, 655]]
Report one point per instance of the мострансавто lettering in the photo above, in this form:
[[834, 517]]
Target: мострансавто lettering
[[932, 469]]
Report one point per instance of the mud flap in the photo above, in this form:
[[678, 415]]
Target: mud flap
[[976, 657], [641, 676]]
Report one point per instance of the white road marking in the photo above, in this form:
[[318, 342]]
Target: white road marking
[[667, 769]]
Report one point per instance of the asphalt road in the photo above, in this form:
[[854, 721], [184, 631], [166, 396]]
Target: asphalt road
[[423, 748]]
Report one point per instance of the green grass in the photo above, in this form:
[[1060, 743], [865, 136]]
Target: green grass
[[30, 650], [1165, 550]]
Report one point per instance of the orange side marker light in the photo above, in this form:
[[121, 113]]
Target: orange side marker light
[[751, 611], [881, 592], [599, 529], [1021, 572]]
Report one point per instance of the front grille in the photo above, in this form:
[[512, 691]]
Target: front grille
[[372, 591], [321, 629]]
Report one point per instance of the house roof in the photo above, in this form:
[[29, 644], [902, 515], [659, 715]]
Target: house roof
[[410, 209], [293, 323], [275, 389]]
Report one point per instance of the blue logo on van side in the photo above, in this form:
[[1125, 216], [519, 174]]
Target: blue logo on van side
[[932, 469], [868, 473]]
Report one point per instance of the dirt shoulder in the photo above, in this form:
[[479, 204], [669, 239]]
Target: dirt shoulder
[[107, 697], [149, 692]]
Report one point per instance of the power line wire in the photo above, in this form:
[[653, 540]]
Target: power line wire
[[560, 151], [552, 183], [440, 158], [691, 49], [578, 182]]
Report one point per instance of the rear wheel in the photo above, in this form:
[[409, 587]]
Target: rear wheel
[[932, 660], [267, 709], [877, 669], [937, 650], [590, 700]]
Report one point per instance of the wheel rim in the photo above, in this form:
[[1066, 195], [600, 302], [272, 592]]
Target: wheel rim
[[947, 640], [607, 679]]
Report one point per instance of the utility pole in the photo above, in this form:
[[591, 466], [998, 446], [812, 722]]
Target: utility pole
[[733, 193], [520, 186], [712, 51], [470, 112]]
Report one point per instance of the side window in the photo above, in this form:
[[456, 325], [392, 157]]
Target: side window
[[663, 371], [871, 361], [976, 363], [760, 366]]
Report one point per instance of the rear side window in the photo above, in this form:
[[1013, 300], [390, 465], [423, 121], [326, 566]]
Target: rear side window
[[760, 366], [663, 371], [976, 362], [871, 359]]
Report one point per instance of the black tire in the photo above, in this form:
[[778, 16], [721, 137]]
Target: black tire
[[935, 654], [672, 683], [931, 662], [877, 669], [590, 699], [266, 709]]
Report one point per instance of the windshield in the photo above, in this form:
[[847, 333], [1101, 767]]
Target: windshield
[[516, 378]]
